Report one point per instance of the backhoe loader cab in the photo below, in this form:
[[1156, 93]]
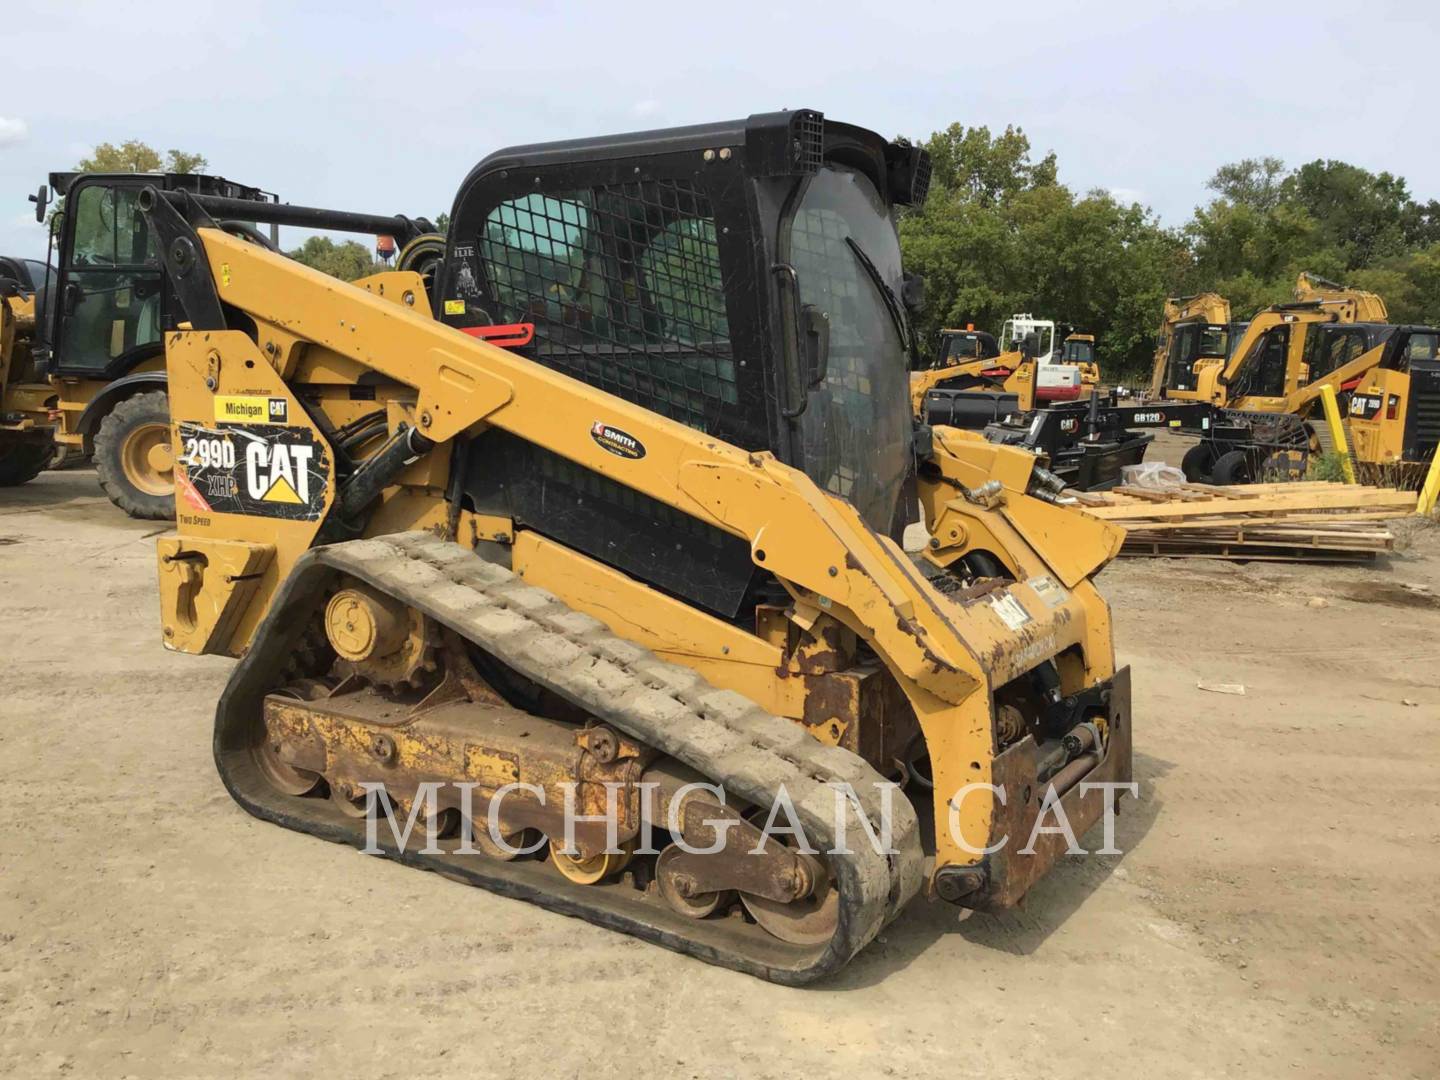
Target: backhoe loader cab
[[620, 512], [100, 334]]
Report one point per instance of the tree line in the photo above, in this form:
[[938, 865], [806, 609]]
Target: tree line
[[1000, 234]]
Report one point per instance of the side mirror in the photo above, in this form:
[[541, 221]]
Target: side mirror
[[41, 199], [815, 341], [9, 287], [912, 292]]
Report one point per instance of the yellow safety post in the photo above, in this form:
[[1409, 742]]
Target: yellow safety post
[[1337, 432], [1430, 490]]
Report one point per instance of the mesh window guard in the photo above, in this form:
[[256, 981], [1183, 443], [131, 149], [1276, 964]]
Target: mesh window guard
[[624, 286]]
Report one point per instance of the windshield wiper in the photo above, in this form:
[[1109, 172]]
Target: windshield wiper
[[887, 295]]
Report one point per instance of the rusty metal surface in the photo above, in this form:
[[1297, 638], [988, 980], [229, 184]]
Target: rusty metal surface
[[662, 704], [774, 871], [1009, 874]]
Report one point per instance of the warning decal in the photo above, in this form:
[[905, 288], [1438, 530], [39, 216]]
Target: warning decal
[[1010, 610], [262, 469]]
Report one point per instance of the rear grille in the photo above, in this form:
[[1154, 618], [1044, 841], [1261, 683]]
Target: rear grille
[[1422, 414]]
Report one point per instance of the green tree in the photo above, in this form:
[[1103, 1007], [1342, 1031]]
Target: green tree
[[1364, 215], [1254, 183], [999, 234], [136, 156], [347, 260]]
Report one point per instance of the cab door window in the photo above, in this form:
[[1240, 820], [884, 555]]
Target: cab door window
[[111, 300], [1262, 374], [1329, 349]]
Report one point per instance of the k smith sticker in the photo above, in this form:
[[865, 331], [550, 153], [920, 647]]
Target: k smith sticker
[[253, 410], [261, 470], [620, 443]]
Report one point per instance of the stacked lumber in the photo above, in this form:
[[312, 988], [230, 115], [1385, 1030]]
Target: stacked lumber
[[1316, 521]]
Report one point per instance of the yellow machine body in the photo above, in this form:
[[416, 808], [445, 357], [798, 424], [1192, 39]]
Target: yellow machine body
[[864, 652]]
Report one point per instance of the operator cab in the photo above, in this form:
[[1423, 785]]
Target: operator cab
[[1191, 342], [963, 346], [741, 278], [1017, 330], [113, 302], [1078, 350]]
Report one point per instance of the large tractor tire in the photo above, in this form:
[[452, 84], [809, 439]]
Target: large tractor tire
[[1197, 463], [133, 457], [21, 460], [1233, 467]]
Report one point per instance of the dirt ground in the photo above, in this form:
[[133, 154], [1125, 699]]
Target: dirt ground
[[1275, 912]]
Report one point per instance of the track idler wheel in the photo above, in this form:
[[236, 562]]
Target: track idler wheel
[[809, 920], [583, 871], [484, 842], [282, 777], [678, 892]]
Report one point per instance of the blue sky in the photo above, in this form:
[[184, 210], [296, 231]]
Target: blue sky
[[384, 107]]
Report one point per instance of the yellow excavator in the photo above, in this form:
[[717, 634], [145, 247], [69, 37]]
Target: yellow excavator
[[1195, 333], [1266, 376], [589, 562]]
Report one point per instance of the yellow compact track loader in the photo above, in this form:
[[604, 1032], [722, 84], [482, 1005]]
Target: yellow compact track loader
[[608, 527], [972, 383]]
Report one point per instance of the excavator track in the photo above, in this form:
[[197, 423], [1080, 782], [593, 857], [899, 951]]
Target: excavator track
[[720, 734]]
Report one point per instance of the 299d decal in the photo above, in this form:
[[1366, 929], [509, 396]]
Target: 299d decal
[[262, 470]]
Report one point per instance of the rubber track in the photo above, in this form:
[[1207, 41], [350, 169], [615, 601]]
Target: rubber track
[[721, 734]]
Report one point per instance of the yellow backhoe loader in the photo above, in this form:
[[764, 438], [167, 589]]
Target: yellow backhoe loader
[[616, 512], [27, 439]]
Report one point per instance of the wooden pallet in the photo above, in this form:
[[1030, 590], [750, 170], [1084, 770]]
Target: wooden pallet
[[1305, 521]]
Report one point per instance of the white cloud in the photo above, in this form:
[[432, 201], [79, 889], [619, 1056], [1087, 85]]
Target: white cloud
[[1127, 195], [13, 131], [648, 107]]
